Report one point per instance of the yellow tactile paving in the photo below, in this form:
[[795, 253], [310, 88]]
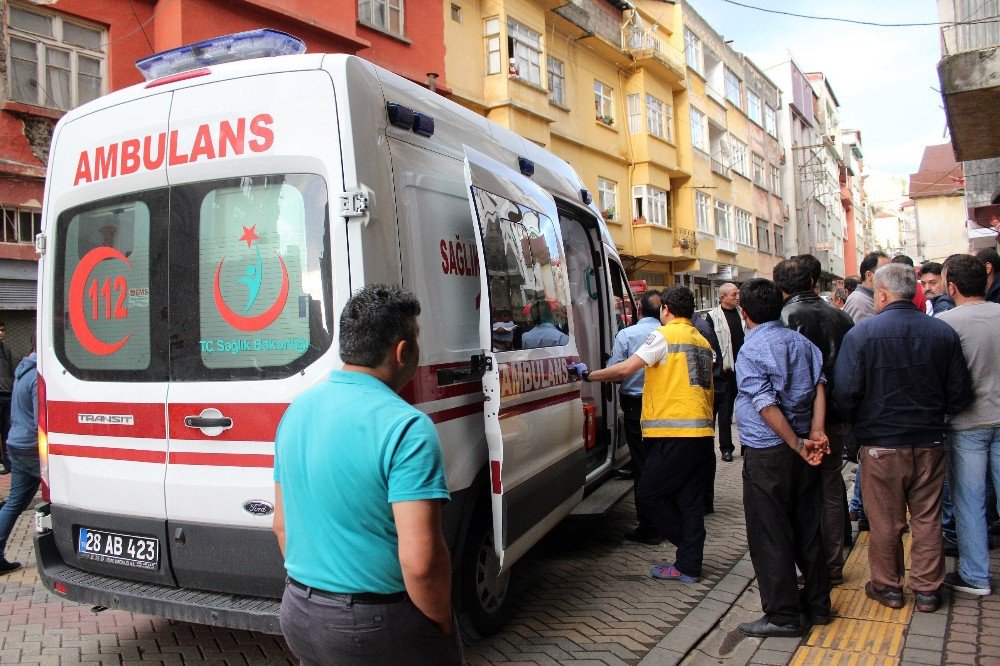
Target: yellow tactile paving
[[863, 631], [810, 656]]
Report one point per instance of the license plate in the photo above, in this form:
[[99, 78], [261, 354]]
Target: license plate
[[122, 549]]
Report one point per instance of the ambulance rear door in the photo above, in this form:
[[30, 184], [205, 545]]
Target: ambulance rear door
[[533, 411], [253, 255], [104, 339]]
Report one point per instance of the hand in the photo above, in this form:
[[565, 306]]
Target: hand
[[818, 438], [577, 369], [811, 456]]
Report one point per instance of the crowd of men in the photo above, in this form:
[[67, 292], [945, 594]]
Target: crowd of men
[[814, 383], [898, 373]]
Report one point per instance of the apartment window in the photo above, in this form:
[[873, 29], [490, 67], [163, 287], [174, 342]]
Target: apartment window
[[758, 171], [653, 204], [741, 158], [385, 15], [456, 13], [20, 225], [733, 88], [763, 236], [557, 81], [692, 51], [779, 240], [699, 130], [652, 278], [525, 48], [703, 211], [607, 197], [54, 62], [668, 121], [744, 227], [775, 179], [723, 223], [633, 105], [493, 58], [753, 108], [770, 121], [655, 117], [604, 103]]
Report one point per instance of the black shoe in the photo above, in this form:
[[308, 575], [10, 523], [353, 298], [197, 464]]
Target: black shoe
[[625, 473], [927, 602], [709, 509], [950, 549], [954, 580], [727, 456], [863, 525], [888, 597], [809, 620], [640, 536], [763, 628], [4, 469], [836, 580], [8, 567]]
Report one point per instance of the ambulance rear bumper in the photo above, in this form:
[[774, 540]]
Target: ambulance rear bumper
[[176, 603]]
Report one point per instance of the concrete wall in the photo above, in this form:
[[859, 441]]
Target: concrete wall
[[941, 227]]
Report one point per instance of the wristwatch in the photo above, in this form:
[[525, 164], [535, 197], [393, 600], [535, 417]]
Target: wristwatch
[[585, 376]]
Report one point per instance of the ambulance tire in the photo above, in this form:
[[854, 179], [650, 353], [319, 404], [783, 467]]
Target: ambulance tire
[[487, 600]]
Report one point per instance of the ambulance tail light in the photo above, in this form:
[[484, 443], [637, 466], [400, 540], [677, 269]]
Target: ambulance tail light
[[589, 426], [43, 438], [264, 43]]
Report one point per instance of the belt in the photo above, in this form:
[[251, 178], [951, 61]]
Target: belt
[[357, 598]]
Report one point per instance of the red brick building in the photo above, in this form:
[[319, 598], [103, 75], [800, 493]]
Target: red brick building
[[58, 55]]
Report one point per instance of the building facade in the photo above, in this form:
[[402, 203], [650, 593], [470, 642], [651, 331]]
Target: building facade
[[62, 54], [938, 193]]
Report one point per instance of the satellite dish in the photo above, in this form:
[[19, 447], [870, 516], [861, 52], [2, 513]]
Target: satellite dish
[[725, 149]]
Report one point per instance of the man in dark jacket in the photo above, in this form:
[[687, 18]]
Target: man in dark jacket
[[934, 289], [825, 326], [991, 259], [901, 434], [23, 450]]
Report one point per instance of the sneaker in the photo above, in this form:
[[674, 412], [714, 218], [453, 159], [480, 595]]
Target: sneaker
[[727, 456], [862, 524], [955, 581], [8, 567], [670, 572], [927, 602], [888, 597], [4, 469], [641, 536]]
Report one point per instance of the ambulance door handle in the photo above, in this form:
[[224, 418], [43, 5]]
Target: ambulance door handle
[[201, 422]]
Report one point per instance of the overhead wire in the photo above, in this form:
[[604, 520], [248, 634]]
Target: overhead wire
[[876, 24]]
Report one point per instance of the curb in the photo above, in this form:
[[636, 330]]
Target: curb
[[697, 624]]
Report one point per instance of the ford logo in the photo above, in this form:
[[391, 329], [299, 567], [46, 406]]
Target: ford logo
[[258, 508]]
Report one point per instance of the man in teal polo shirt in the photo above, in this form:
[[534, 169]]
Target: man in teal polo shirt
[[359, 483]]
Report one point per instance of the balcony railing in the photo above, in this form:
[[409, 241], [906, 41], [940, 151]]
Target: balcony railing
[[725, 245], [650, 42], [720, 168], [976, 27]]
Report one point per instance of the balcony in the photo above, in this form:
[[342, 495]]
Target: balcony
[[719, 167], [725, 245], [656, 243], [969, 72], [650, 49]]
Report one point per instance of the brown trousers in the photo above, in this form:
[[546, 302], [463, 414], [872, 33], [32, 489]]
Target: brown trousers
[[895, 480]]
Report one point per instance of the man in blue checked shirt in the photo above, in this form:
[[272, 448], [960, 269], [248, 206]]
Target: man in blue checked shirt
[[780, 411]]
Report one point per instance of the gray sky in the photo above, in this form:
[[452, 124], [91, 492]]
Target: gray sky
[[881, 76]]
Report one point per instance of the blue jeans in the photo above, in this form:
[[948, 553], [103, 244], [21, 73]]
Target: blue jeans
[[971, 453], [24, 479], [856, 504]]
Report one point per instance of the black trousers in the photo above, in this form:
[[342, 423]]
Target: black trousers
[[725, 400], [672, 494], [4, 427], [632, 409], [782, 502]]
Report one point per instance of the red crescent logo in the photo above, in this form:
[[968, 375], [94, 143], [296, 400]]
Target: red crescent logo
[[77, 315], [256, 322]]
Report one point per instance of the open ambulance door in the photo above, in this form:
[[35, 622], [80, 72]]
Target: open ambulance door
[[533, 411]]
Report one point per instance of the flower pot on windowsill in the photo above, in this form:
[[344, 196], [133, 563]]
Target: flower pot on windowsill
[[639, 221], [607, 120]]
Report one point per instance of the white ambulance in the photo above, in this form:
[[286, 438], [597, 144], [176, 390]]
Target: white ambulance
[[202, 232]]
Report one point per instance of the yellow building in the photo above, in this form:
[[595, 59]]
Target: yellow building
[[604, 85]]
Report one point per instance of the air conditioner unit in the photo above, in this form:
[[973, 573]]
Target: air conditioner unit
[[782, 158]]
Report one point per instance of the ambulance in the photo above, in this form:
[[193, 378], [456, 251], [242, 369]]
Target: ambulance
[[202, 232]]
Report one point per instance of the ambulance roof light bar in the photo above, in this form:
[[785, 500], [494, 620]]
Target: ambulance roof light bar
[[263, 43]]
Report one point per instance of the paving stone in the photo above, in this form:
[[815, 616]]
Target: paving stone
[[916, 656]]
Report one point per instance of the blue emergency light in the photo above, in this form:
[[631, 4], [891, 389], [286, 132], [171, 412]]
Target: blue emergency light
[[263, 43]]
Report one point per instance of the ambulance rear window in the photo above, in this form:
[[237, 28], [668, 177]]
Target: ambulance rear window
[[104, 306]]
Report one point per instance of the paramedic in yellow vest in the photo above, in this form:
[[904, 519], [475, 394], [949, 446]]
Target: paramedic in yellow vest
[[677, 427]]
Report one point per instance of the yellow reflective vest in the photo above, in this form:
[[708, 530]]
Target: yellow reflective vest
[[677, 395]]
